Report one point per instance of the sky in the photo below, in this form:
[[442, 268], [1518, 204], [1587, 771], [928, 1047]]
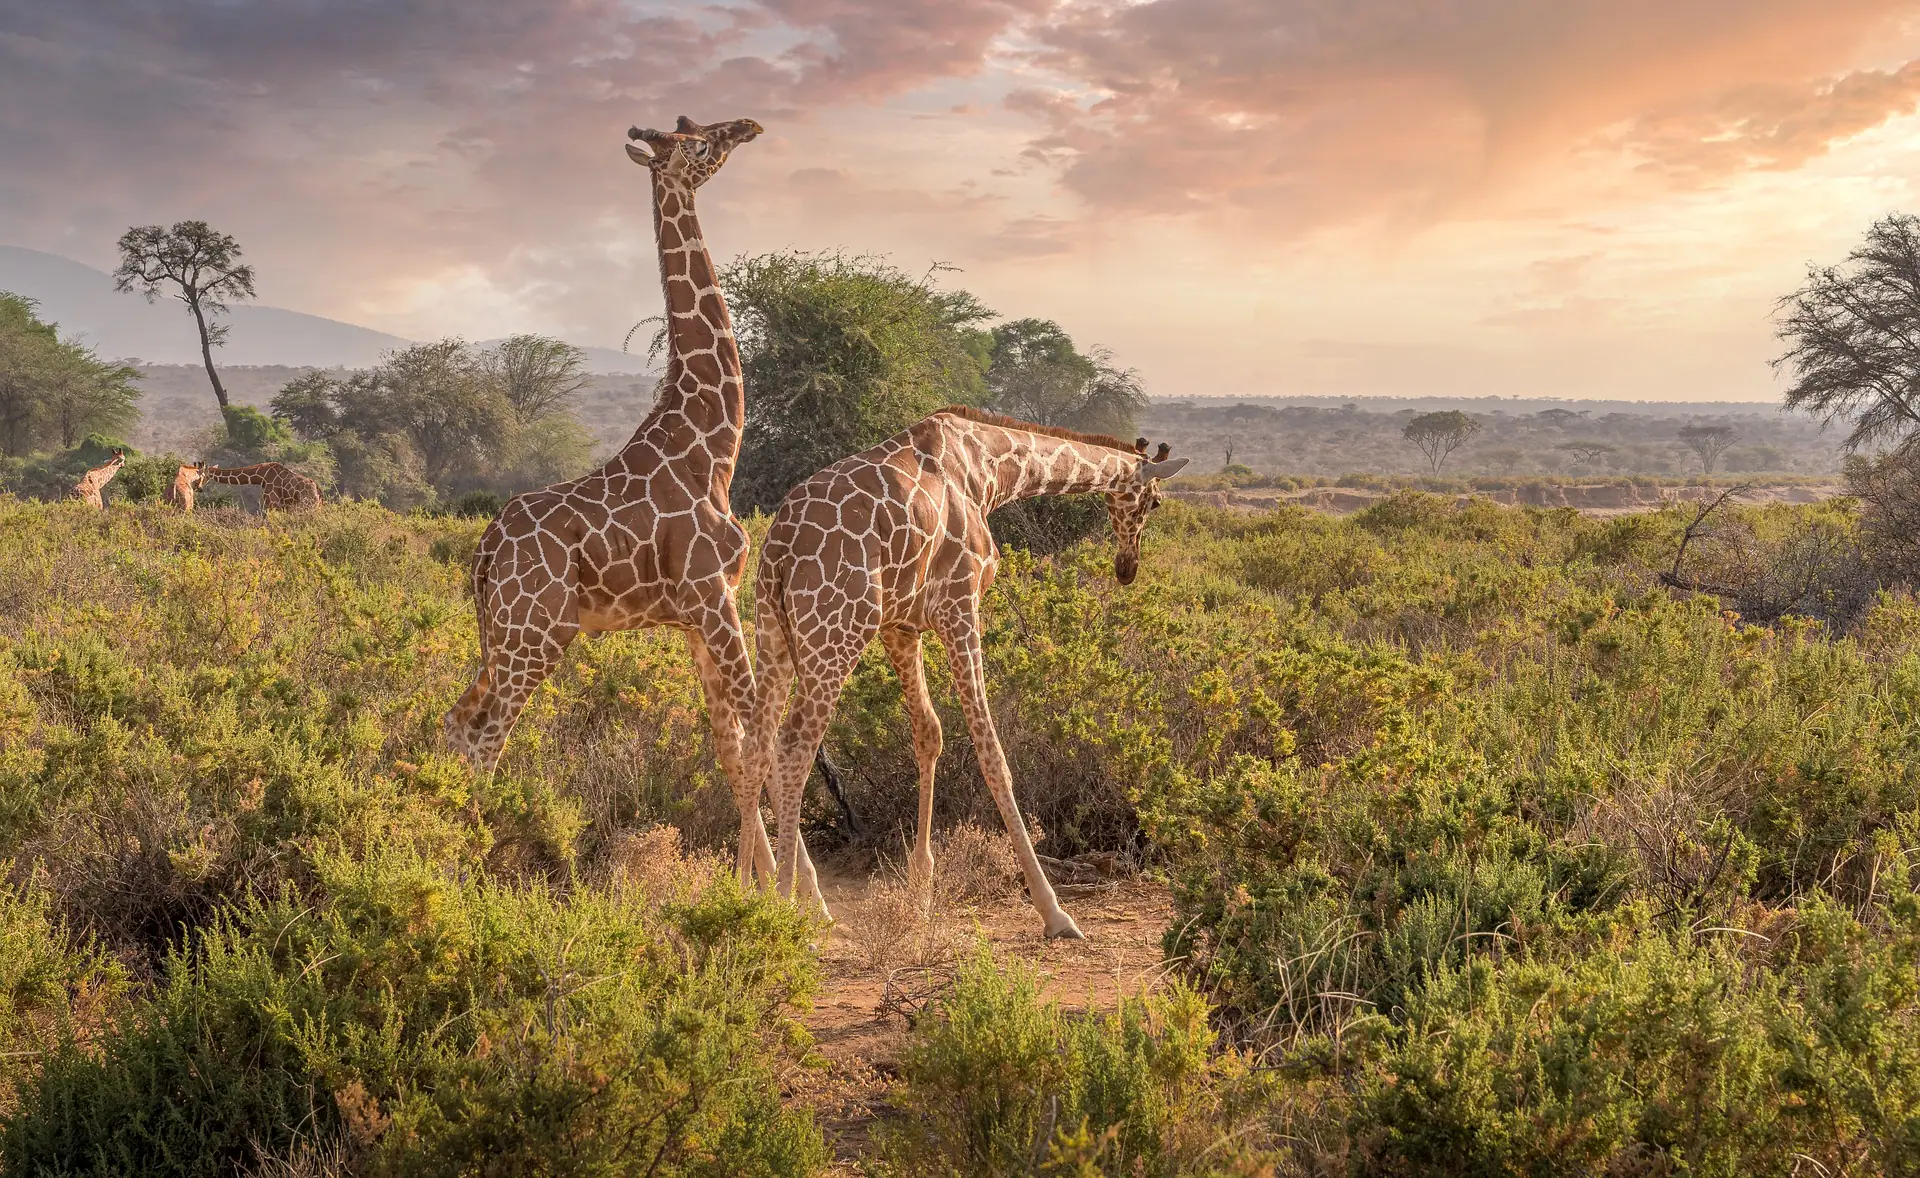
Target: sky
[[1578, 198]]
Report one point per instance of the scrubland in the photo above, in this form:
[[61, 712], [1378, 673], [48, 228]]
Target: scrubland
[[1487, 853]]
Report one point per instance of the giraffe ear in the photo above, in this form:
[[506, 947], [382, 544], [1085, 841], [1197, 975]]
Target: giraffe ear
[[1161, 470]]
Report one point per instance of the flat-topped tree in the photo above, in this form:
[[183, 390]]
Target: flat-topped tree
[[202, 268], [1440, 434], [1706, 442]]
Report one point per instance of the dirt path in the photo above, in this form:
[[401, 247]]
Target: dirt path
[[857, 1020]]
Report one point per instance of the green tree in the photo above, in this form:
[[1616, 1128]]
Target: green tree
[[539, 376], [1035, 373], [54, 392], [435, 420], [839, 352], [1850, 333], [1440, 434], [1706, 442], [1586, 451], [203, 268]]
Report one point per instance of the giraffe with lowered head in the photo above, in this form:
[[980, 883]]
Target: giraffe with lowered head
[[94, 481], [649, 539], [281, 489], [893, 542]]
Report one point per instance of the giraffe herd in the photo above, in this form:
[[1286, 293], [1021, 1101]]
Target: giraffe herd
[[889, 543], [281, 489]]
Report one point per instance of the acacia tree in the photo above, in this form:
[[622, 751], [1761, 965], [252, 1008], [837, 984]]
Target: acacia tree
[[1852, 335], [1706, 442], [1440, 434], [202, 267], [1585, 451], [537, 374], [840, 351]]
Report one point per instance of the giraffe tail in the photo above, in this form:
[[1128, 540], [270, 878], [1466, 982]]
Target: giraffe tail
[[480, 574]]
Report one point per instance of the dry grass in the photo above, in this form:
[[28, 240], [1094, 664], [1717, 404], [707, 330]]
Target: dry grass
[[655, 863], [902, 924]]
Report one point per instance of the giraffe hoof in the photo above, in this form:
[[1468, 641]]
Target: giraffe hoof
[[1067, 931]]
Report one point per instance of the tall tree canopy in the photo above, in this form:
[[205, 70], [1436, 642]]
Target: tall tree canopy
[[54, 392], [1852, 335], [1035, 373], [202, 267], [839, 352]]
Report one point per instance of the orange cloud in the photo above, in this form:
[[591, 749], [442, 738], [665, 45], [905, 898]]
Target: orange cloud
[[1322, 110]]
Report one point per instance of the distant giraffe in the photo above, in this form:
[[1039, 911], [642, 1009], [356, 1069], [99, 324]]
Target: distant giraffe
[[280, 488], [649, 539], [893, 542], [94, 481]]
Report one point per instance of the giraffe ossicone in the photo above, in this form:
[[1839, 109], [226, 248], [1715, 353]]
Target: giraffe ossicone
[[649, 539], [893, 542]]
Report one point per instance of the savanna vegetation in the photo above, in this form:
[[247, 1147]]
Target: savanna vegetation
[[1490, 853], [1499, 840]]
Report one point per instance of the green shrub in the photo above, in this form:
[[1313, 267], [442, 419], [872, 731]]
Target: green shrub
[[997, 1082], [447, 1026]]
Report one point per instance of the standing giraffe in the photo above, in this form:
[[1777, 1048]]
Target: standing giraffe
[[648, 539], [280, 488], [94, 481], [893, 542]]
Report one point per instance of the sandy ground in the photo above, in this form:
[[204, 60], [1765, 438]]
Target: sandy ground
[[859, 1019]]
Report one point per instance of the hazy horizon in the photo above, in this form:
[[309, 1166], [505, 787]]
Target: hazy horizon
[[1599, 199]]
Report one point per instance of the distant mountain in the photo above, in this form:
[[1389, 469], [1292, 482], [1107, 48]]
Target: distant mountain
[[125, 326]]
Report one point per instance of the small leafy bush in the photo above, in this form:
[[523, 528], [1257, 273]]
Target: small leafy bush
[[997, 1082]]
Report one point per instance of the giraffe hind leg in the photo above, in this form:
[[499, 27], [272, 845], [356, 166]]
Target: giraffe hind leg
[[903, 650]]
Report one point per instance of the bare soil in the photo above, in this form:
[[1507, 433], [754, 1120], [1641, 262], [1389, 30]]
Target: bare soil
[[859, 1020]]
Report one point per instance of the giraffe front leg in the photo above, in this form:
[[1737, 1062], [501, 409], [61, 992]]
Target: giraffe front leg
[[961, 636], [903, 650], [719, 682]]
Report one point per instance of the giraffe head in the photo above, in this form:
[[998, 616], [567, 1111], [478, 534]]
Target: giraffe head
[[186, 481], [1127, 510], [690, 153]]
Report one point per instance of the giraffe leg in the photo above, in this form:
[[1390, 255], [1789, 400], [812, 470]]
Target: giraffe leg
[[773, 673], [822, 672], [756, 851], [903, 650], [522, 639], [960, 634]]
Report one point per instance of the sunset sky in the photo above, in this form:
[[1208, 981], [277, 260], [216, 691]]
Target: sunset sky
[[1465, 197]]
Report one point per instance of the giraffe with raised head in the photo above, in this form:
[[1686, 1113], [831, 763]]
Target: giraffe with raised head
[[94, 481], [281, 489], [649, 539], [890, 543]]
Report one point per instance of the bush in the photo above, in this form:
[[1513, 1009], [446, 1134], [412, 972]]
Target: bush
[[446, 1026], [997, 1082]]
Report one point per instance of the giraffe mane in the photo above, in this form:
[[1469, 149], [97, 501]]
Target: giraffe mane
[[1052, 431]]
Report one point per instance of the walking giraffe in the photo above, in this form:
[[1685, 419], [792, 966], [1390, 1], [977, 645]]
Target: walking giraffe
[[94, 481], [648, 539], [893, 542], [281, 489]]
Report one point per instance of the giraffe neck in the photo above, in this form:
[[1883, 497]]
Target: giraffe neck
[[1014, 464], [701, 405], [239, 476]]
